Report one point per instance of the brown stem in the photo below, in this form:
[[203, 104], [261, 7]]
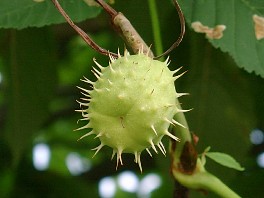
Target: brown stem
[[123, 26], [107, 8], [85, 36]]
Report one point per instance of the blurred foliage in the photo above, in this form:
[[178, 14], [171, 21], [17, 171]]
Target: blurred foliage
[[41, 68]]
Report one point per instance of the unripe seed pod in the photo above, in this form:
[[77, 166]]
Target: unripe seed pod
[[131, 105]]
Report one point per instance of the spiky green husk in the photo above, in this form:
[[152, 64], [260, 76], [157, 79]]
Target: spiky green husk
[[131, 105]]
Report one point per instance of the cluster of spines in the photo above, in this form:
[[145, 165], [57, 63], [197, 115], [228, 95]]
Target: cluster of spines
[[86, 116]]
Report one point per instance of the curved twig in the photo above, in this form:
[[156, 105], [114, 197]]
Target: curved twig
[[182, 21], [123, 25], [130, 34], [85, 36]]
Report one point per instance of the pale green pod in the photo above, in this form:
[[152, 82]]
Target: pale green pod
[[131, 105]]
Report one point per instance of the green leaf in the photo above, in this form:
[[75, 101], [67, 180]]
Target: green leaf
[[224, 160], [28, 13], [239, 38]]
